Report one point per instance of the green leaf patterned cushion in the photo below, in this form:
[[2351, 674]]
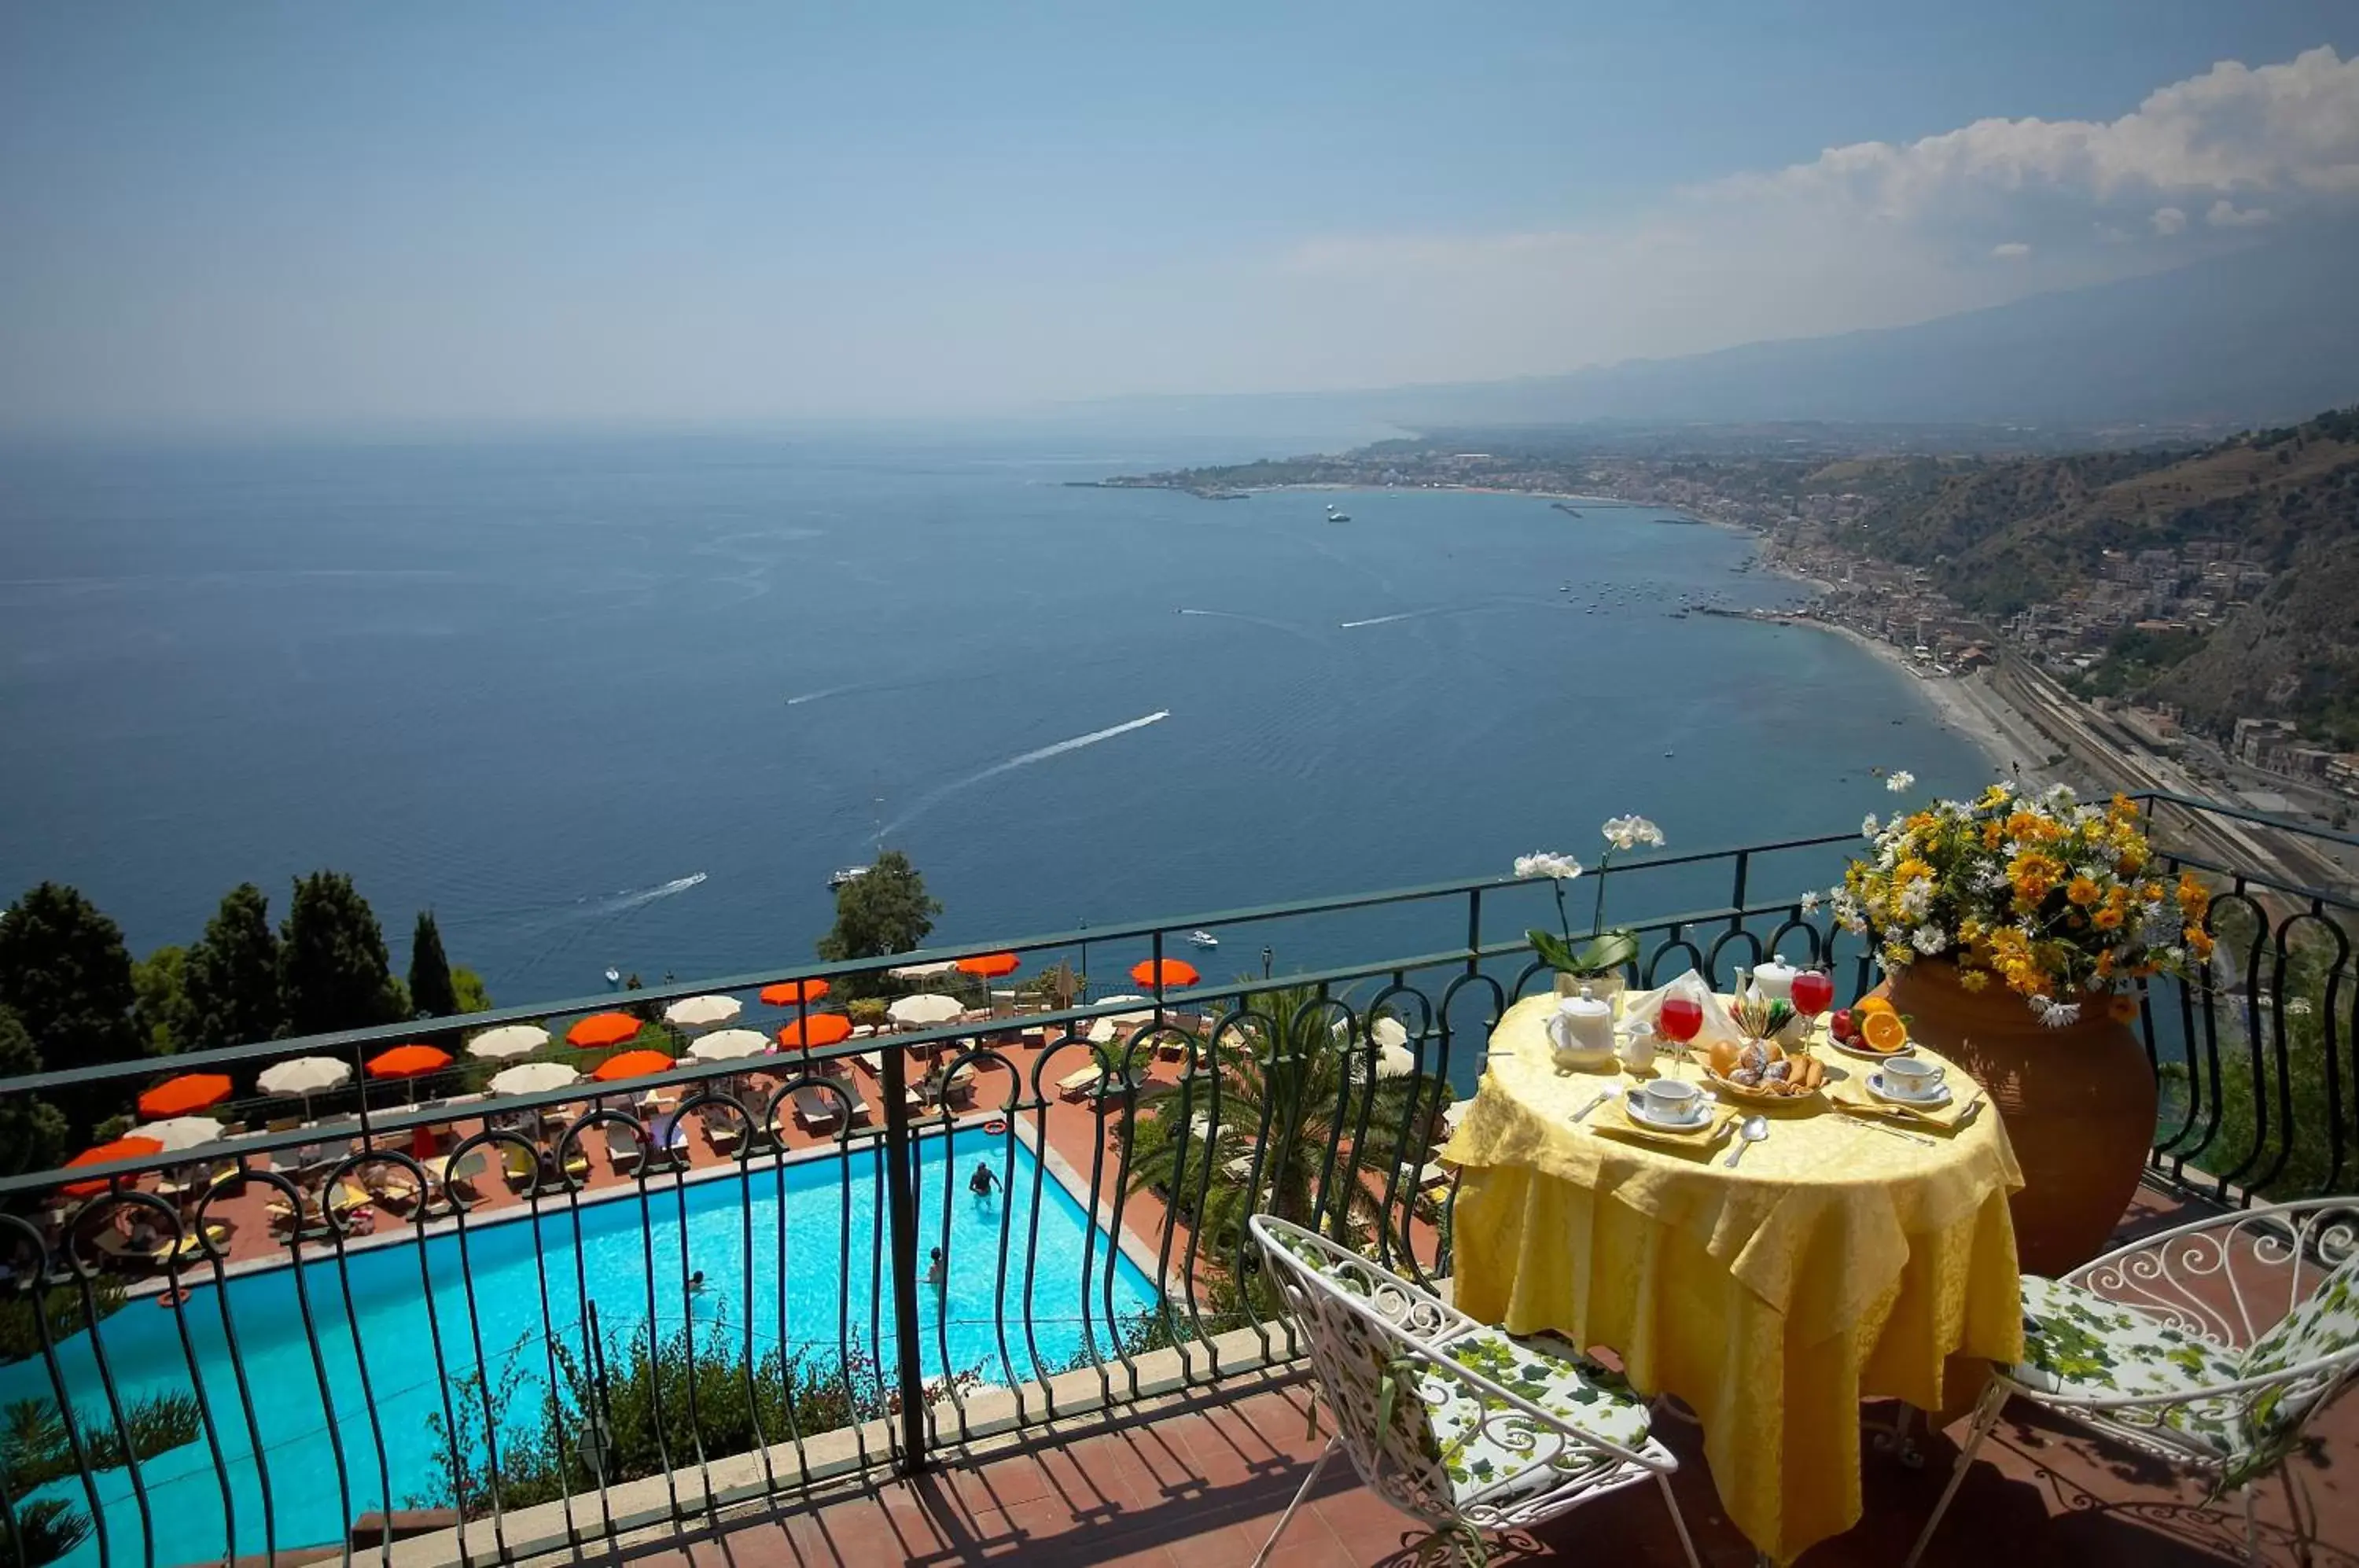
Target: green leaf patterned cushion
[[1548, 1372], [2326, 1322], [2078, 1344]]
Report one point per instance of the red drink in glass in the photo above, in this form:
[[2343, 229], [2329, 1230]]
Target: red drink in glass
[[1679, 1018], [1814, 992]]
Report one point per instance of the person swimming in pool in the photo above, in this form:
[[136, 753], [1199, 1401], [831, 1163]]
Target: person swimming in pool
[[983, 1183]]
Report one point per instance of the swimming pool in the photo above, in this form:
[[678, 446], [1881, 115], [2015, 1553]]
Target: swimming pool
[[826, 1288]]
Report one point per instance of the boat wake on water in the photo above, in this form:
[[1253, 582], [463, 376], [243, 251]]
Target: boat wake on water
[[935, 797], [1253, 620], [632, 900]]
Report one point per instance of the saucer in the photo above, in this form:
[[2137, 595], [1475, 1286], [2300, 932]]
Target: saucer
[[1890, 1095], [1634, 1107], [1909, 1048]]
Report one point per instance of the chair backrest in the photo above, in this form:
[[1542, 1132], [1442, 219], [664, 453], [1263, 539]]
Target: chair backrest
[[1352, 1316], [2312, 1350]]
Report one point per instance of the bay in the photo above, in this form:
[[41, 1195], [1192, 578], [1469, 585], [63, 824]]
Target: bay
[[628, 701]]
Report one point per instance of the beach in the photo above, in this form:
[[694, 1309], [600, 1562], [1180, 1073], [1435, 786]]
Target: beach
[[1967, 705]]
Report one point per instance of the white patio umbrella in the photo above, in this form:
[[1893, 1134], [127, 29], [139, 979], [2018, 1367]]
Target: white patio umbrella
[[924, 971], [508, 1040], [1390, 1032], [304, 1077], [729, 1045], [181, 1132], [533, 1077], [925, 1008], [703, 1012]]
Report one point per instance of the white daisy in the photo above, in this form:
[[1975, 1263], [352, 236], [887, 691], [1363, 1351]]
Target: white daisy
[[1929, 940], [1867, 825], [1808, 902], [1901, 782], [2055, 1014]]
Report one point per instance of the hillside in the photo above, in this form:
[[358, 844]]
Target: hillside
[[2001, 535]]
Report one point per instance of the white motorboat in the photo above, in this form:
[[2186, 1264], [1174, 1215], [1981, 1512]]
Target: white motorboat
[[1203, 939]]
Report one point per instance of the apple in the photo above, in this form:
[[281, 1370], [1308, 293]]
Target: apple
[[1841, 1026]]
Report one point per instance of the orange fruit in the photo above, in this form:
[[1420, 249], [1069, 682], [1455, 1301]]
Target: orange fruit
[[1884, 1032], [1873, 1005]]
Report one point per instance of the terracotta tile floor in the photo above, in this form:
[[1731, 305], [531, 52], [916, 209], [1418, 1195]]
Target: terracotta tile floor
[[1206, 1485]]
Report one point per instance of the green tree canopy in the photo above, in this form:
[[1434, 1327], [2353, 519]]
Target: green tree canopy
[[32, 1131], [883, 912], [231, 979], [431, 992], [474, 997], [66, 975], [159, 1004], [332, 969]]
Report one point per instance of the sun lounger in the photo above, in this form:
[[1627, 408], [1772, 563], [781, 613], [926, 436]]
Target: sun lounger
[[724, 1133], [577, 1165], [522, 1170], [622, 1149], [815, 1109], [1074, 1085], [1432, 1173]]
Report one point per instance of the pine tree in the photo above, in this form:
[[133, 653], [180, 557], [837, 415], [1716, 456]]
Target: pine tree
[[332, 969], [66, 975], [32, 1132], [881, 913], [230, 980], [432, 994]]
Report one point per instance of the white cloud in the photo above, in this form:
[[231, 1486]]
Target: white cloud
[[2224, 215], [1872, 233]]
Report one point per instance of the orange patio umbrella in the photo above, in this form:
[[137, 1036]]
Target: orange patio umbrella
[[990, 965], [603, 1028], [786, 992], [180, 1096], [631, 1064], [820, 1029], [408, 1061], [106, 1154], [1171, 972]]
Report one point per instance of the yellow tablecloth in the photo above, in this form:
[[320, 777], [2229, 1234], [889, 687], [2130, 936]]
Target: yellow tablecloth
[[1837, 1262]]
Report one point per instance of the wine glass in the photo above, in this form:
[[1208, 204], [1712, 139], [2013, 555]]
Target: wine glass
[[1814, 993], [1679, 1018]]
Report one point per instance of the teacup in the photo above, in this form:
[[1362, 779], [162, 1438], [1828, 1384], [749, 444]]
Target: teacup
[[1671, 1099], [1912, 1078]]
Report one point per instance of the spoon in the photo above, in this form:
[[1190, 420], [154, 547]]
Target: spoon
[[1604, 1095], [1752, 1130]]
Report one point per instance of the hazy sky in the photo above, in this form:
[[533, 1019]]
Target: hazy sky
[[326, 214]]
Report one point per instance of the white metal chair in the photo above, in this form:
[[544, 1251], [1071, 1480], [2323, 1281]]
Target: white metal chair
[[1459, 1424], [2210, 1346]]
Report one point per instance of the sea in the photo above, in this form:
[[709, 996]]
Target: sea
[[625, 701]]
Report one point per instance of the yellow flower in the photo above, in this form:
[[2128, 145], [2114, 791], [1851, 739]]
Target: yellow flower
[[2108, 919], [2083, 891], [2199, 941], [2123, 1009], [2194, 896], [1973, 979]]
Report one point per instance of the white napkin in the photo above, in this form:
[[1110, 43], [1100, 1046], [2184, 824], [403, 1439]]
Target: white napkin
[[1640, 1008]]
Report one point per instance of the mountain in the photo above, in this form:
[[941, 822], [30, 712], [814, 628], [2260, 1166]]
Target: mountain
[[2262, 336], [2000, 535]]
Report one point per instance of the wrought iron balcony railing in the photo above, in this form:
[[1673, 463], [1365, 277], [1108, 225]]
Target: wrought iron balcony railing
[[740, 1276]]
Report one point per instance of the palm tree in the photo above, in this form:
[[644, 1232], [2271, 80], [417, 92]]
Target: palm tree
[[1284, 1113]]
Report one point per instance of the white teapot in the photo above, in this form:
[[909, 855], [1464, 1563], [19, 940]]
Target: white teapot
[[1775, 979], [1582, 1030]]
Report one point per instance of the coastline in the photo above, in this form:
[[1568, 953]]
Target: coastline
[[1964, 703]]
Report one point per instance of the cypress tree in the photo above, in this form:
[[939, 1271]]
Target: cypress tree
[[332, 969], [32, 1132], [230, 979], [431, 992]]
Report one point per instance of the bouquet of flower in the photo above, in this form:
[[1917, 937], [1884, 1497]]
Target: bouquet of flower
[[1605, 950], [2054, 899]]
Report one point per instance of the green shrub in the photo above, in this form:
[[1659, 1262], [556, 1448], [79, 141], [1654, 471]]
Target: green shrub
[[21, 1328]]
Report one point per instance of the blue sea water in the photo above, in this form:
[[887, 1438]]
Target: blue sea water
[[628, 701], [529, 1280]]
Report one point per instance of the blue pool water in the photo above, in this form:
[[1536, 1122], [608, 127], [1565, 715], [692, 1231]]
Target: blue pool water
[[388, 1313]]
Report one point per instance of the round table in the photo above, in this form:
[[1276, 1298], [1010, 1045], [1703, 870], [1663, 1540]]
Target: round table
[[1836, 1262]]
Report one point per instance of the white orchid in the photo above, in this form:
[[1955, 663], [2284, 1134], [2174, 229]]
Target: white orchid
[[1629, 832], [1901, 782], [1548, 863], [1808, 902]]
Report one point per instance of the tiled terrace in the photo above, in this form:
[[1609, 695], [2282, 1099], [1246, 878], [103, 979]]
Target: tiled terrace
[[1202, 1478]]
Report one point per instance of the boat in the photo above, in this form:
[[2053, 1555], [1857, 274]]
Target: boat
[[1335, 516], [844, 877], [1203, 939]]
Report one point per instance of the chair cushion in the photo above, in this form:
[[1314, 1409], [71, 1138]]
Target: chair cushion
[[1550, 1373], [2322, 1323], [2078, 1346]]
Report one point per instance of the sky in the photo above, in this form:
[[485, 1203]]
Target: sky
[[247, 216]]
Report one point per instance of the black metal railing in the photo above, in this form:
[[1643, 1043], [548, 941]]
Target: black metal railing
[[741, 1276]]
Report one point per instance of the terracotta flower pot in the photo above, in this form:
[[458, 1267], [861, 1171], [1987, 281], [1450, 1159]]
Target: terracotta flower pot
[[2078, 1103]]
